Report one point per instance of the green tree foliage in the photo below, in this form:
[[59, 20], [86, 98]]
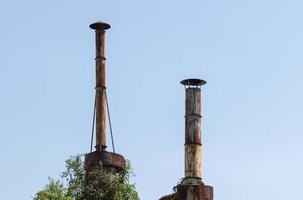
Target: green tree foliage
[[73, 185], [54, 190]]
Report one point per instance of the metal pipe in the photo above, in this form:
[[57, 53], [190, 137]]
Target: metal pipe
[[100, 28], [193, 145], [191, 186]]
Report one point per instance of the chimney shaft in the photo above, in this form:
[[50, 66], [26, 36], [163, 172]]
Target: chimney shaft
[[100, 28], [191, 186], [193, 146], [112, 161]]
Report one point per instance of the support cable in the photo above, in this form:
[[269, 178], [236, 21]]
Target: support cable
[[93, 127], [110, 124]]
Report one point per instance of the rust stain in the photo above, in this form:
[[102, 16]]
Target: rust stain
[[195, 192], [192, 187], [193, 147], [109, 160], [100, 28], [193, 160]]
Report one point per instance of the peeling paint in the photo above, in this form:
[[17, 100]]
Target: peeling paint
[[193, 147]]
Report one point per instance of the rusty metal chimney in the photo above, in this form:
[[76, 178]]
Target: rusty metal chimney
[[109, 159], [100, 28], [191, 186], [193, 146]]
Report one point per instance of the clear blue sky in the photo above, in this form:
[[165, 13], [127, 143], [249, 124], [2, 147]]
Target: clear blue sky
[[250, 52]]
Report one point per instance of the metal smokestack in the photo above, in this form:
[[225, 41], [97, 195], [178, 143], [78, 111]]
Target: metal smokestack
[[192, 187], [110, 160], [193, 146], [100, 28]]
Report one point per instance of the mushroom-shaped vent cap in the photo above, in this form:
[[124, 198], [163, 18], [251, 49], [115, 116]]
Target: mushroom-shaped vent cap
[[193, 82], [100, 26]]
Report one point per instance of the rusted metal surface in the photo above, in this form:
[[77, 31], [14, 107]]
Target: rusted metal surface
[[195, 192], [192, 187], [208, 192], [193, 82], [169, 197], [193, 160], [191, 192], [100, 28], [111, 162], [108, 159], [193, 147]]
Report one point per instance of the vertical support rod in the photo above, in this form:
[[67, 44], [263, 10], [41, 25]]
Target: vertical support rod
[[100, 28]]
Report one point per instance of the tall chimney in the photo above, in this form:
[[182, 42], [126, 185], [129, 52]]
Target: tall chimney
[[110, 160], [193, 146], [191, 186], [100, 28]]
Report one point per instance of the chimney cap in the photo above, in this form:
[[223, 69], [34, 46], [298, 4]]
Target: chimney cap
[[99, 25], [193, 82]]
